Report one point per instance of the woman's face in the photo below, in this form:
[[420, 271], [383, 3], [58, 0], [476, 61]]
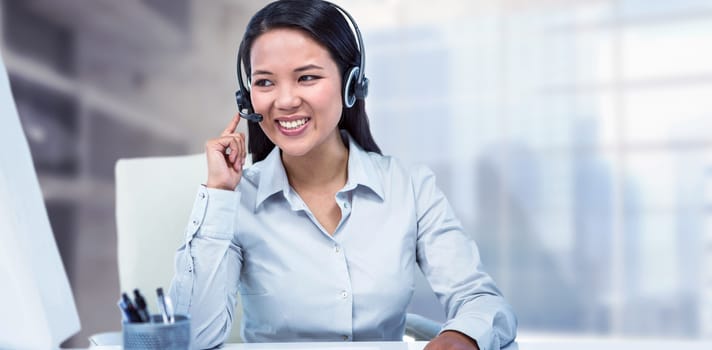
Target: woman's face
[[296, 86]]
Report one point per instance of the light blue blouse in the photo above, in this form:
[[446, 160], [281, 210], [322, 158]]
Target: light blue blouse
[[298, 283]]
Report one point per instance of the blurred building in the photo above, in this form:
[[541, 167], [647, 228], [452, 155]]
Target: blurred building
[[568, 136]]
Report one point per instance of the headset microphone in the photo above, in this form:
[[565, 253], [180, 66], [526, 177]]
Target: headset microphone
[[253, 117]]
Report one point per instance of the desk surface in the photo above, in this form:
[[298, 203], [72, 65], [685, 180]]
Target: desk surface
[[309, 346], [526, 344], [330, 346]]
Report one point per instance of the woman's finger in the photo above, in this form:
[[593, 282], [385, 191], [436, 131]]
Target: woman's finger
[[241, 150], [230, 129], [239, 146], [244, 149], [234, 149]]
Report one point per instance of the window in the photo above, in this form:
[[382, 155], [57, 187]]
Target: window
[[573, 139]]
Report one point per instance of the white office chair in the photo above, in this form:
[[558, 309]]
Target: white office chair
[[153, 202]]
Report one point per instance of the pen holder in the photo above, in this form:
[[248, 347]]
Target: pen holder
[[158, 335]]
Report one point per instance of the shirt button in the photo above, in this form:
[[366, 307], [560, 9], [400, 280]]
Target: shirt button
[[195, 222], [346, 205], [202, 195], [344, 294], [190, 268], [337, 248]]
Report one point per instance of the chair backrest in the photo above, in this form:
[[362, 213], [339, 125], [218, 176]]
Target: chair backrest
[[154, 197]]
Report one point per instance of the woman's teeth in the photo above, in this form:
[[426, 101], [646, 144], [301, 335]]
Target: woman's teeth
[[293, 124]]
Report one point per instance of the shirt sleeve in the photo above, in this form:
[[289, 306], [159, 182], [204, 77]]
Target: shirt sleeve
[[451, 262], [208, 267]]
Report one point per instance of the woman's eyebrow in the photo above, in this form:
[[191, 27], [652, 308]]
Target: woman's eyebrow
[[300, 69], [262, 72], [308, 67]]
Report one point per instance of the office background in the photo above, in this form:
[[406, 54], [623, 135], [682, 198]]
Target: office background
[[573, 138]]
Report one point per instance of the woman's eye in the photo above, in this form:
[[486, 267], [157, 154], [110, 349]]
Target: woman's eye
[[263, 83], [309, 78]]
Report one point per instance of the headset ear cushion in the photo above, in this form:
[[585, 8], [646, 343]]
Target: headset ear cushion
[[350, 87], [243, 101], [361, 90]]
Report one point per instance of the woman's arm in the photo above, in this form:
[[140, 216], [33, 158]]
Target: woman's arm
[[208, 267], [450, 261]]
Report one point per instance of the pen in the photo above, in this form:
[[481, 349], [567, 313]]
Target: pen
[[130, 309], [164, 303], [141, 306], [127, 309], [124, 313]]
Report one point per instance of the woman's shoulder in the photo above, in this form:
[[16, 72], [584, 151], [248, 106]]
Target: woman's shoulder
[[393, 166]]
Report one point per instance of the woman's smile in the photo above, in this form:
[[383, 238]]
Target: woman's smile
[[292, 126]]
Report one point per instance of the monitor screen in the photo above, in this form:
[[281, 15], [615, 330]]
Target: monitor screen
[[38, 309]]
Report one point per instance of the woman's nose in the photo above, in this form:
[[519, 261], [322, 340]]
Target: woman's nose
[[287, 97]]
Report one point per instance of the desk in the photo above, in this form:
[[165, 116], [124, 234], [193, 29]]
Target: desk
[[532, 344], [308, 346], [576, 343], [332, 346]]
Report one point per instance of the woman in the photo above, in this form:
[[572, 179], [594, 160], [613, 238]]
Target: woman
[[322, 234]]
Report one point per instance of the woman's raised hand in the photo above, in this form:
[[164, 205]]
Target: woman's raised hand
[[226, 156]]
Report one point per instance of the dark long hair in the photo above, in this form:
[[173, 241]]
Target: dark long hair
[[325, 24]]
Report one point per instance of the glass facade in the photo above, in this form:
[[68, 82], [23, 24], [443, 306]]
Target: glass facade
[[573, 139]]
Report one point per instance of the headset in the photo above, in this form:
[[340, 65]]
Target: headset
[[355, 84]]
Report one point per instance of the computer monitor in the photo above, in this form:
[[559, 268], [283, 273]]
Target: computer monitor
[[38, 310]]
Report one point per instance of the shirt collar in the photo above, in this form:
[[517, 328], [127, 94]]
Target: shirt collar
[[361, 171], [272, 177], [361, 168]]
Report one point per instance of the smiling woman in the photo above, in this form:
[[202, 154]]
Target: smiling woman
[[323, 234]]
